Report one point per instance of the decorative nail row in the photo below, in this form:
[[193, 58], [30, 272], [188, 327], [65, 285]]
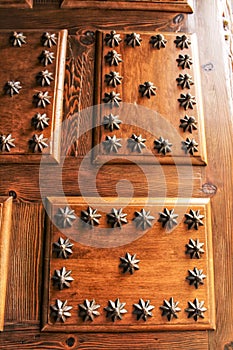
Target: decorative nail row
[[66, 216], [113, 58], [136, 143], [37, 143], [112, 122], [115, 310], [19, 39], [158, 41]]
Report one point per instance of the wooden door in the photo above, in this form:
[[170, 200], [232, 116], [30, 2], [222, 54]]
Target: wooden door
[[102, 161]]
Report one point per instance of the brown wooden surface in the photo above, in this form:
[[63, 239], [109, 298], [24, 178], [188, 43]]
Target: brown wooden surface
[[141, 64], [16, 4], [95, 265], [5, 238], [159, 5], [18, 110], [207, 24]]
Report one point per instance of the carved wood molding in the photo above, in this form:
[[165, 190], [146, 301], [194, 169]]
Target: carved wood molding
[[159, 5], [5, 230]]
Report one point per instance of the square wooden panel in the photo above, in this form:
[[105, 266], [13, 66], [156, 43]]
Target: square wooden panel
[[21, 64], [154, 117], [95, 260], [5, 234], [159, 5]]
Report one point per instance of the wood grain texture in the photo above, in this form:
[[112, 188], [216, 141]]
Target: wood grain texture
[[21, 4], [152, 118], [29, 340], [5, 236], [20, 107], [158, 5], [24, 278], [220, 161], [96, 257]]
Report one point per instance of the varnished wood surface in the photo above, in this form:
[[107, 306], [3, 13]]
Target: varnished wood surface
[[207, 23], [158, 116], [95, 260]]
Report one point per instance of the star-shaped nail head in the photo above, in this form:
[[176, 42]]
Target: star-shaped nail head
[[46, 57], [147, 89], [44, 78], [38, 143], [115, 310], [143, 219], [194, 219], [60, 311], [40, 121], [168, 218], [12, 87], [6, 143], [129, 263], [133, 39], [188, 123], [111, 122], [195, 277], [63, 248], [112, 39], [158, 41], [182, 42], [41, 99], [194, 249], [162, 145], [190, 146], [196, 309], [17, 39], [112, 98], [136, 143], [187, 101], [170, 309], [113, 79], [143, 309], [117, 218], [62, 278], [90, 216], [88, 310], [65, 217], [184, 81], [113, 58], [48, 39], [112, 144], [184, 61]]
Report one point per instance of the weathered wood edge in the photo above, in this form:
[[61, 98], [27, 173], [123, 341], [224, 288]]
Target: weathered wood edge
[[5, 234], [180, 6]]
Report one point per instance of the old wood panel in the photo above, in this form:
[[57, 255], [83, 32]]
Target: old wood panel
[[19, 106], [29, 340], [95, 260], [158, 5], [152, 117], [24, 276]]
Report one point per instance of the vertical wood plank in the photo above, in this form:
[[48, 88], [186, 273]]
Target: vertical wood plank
[[24, 280], [5, 234]]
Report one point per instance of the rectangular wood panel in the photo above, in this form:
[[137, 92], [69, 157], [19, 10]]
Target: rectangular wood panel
[[5, 235], [95, 258], [156, 117], [20, 64], [159, 5]]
